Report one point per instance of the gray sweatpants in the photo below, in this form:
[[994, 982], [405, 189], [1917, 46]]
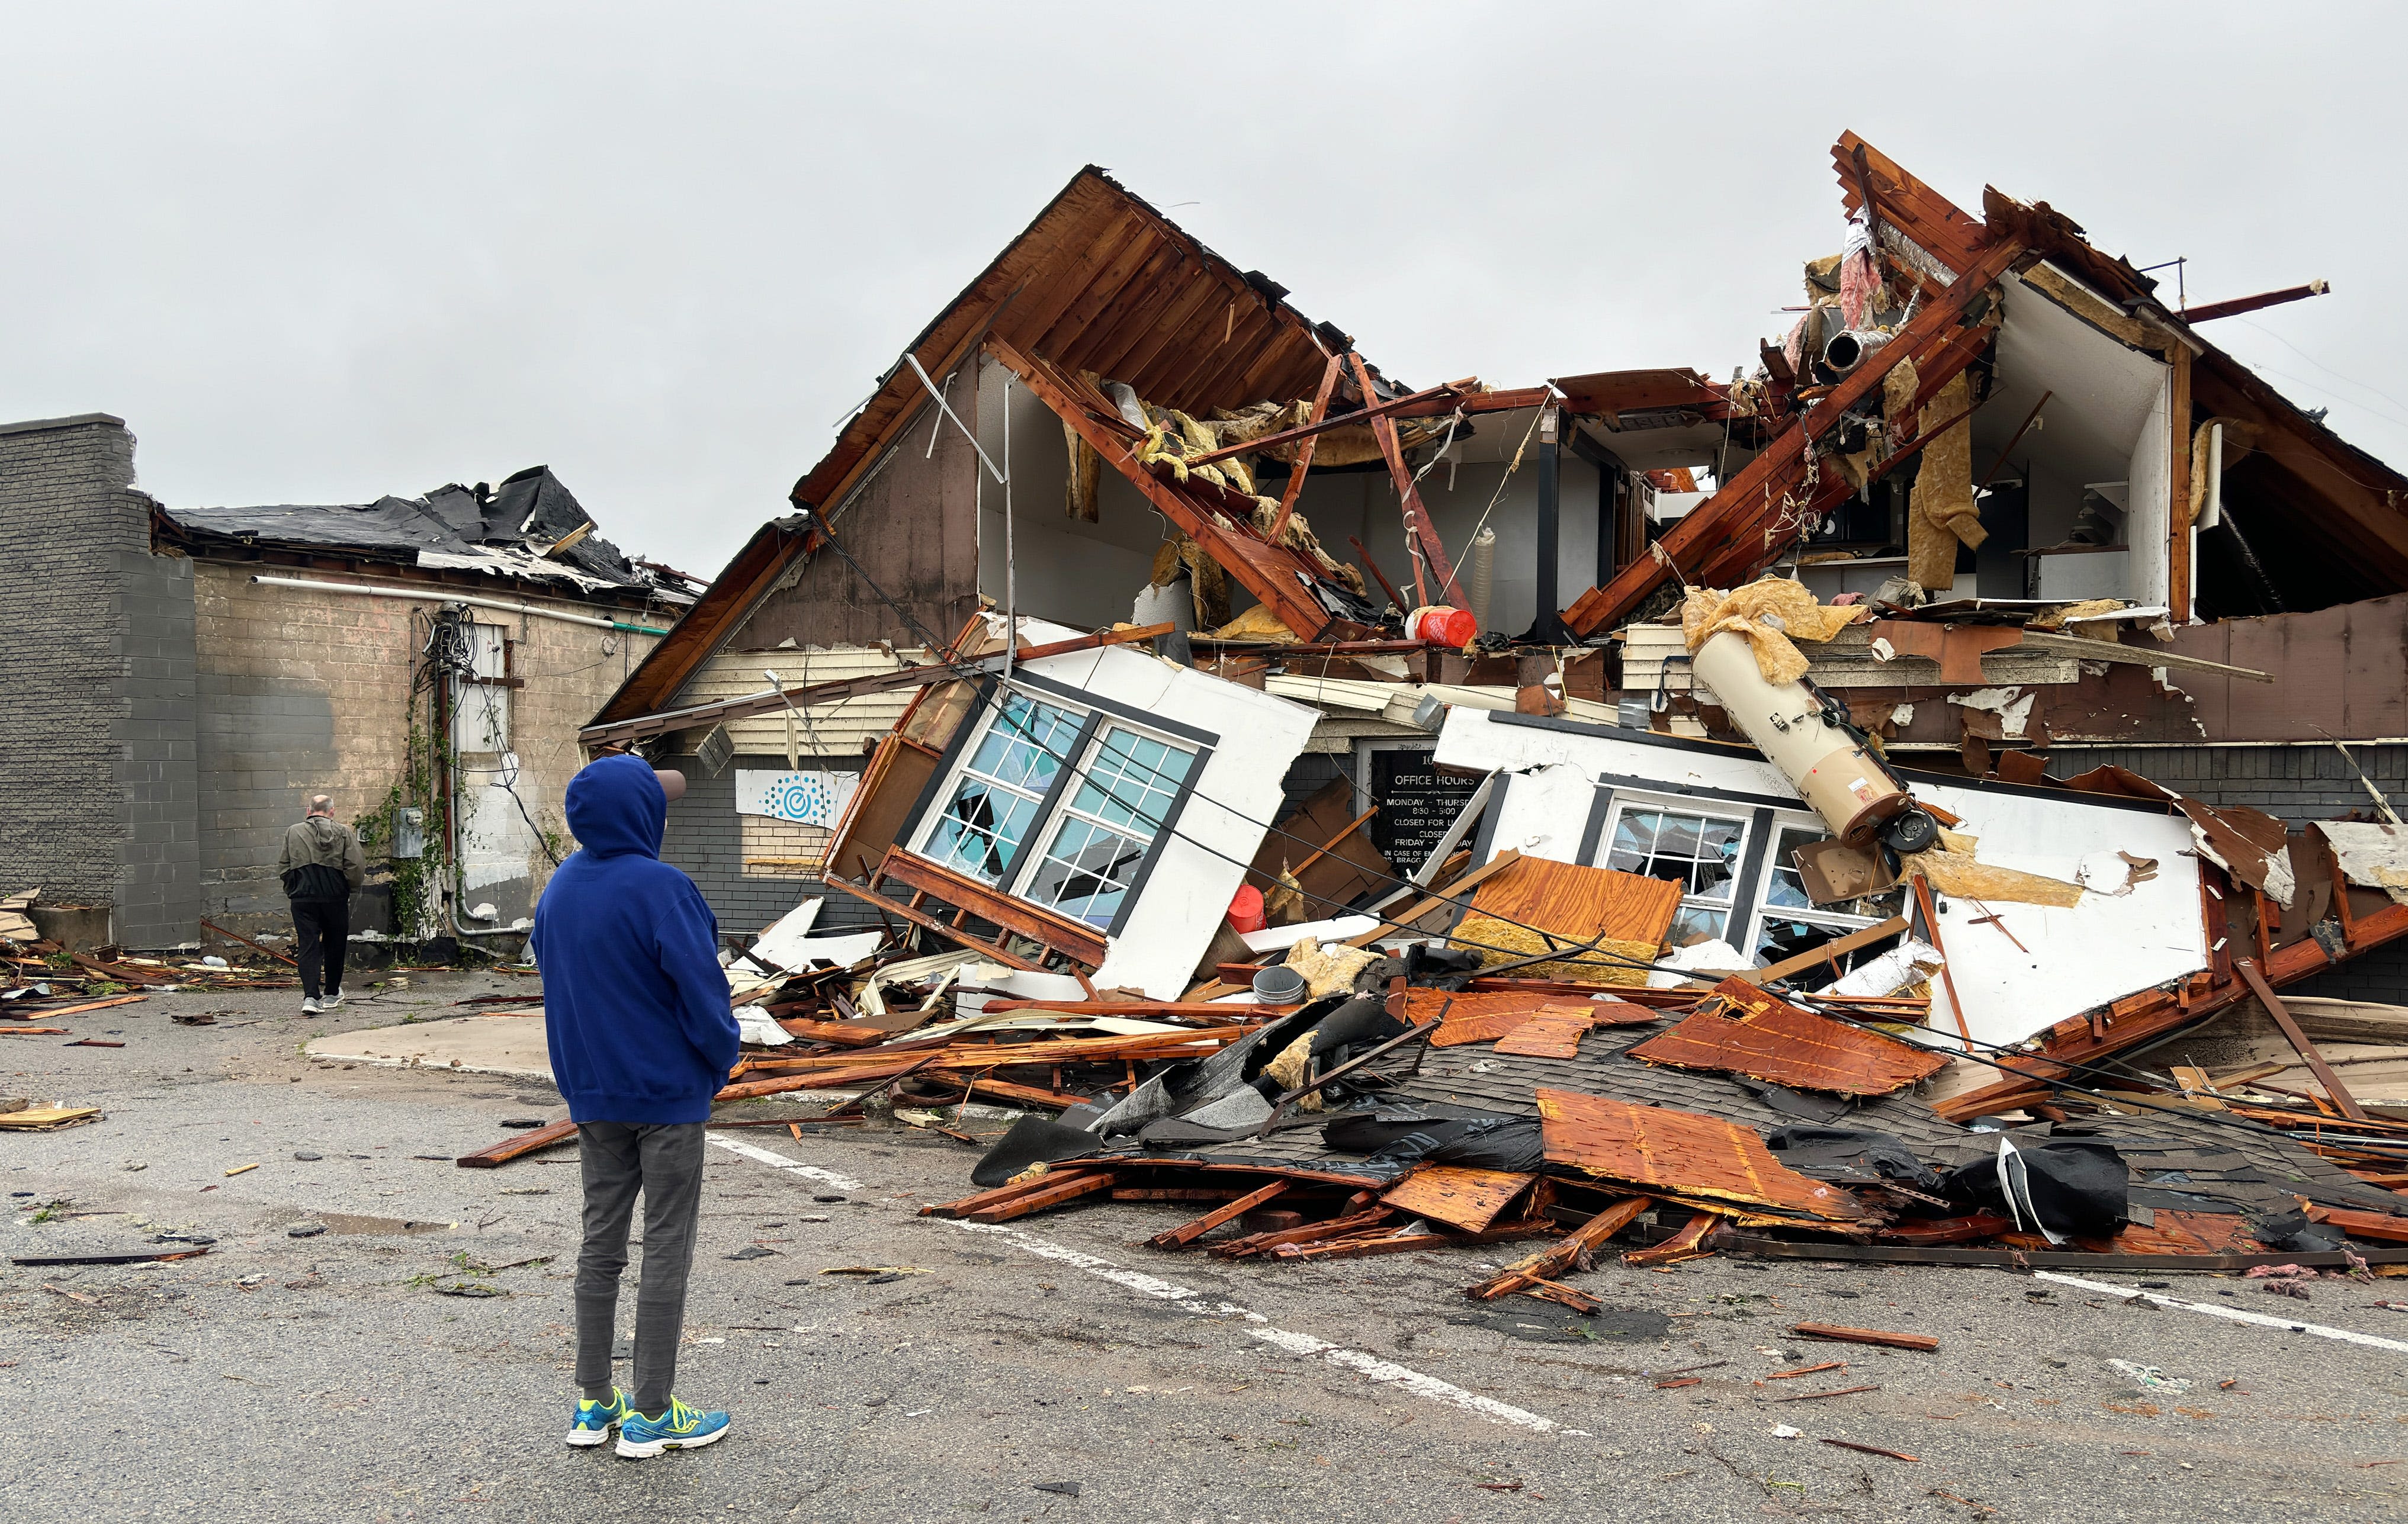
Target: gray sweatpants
[[664, 1162]]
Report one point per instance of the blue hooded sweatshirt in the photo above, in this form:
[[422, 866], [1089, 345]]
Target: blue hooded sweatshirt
[[635, 1003]]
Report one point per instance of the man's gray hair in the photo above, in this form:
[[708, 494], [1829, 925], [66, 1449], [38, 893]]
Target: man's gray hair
[[321, 804]]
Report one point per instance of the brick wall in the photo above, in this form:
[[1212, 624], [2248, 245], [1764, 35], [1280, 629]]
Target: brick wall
[[96, 698], [306, 692], [2292, 783], [706, 838]]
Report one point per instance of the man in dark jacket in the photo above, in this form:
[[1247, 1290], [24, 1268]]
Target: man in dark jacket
[[321, 865], [635, 1012]]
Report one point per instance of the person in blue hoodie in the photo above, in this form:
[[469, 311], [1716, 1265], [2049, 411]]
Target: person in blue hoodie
[[636, 1015]]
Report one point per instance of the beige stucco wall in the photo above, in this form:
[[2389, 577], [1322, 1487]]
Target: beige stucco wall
[[304, 692]]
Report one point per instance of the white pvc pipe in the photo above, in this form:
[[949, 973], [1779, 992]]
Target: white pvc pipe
[[2211, 512], [425, 595]]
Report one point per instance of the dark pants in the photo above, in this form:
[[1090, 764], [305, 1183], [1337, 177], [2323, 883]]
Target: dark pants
[[665, 1162], [321, 927]]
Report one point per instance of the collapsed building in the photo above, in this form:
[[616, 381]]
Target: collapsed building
[[1872, 761], [187, 678]]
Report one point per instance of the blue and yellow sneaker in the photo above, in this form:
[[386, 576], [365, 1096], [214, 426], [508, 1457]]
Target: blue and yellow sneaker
[[680, 1428], [592, 1424]]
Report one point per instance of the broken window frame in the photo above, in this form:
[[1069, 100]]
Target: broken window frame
[[1629, 802], [1097, 719], [1767, 821]]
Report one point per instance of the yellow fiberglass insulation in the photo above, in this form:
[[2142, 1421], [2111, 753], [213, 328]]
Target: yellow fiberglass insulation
[[1293, 1067], [1708, 611], [1329, 970], [1958, 873], [1257, 623], [1941, 513], [1611, 962]]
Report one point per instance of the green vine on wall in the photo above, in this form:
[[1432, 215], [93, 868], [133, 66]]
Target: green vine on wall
[[416, 883]]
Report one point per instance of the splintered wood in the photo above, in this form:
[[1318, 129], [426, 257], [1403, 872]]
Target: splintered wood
[[1554, 1033], [1469, 1199], [1481, 1017], [1680, 1154], [1766, 1038]]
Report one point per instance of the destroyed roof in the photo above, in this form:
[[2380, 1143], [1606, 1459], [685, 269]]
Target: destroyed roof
[[2339, 505], [532, 527], [1100, 282]]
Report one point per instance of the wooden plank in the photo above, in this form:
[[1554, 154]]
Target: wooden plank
[[922, 918], [87, 1005], [2358, 1224], [1041, 1200], [1687, 1244], [1441, 900], [1564, 1253], [1431, 570], [1552, 1032], [1755, 489], [1303, 462], [999, 1194], [1320, 423], [1071, 939], [1469, 1199], [1188, 1231], [1947, 981], [1357, 1248], [1241, 1248], [518, 1146], [1279, 591], [1817, 957], [1922, 1342], [2255, 980], [2178, 569]]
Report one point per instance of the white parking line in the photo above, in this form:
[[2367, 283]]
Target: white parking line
[[1370, 1367], [2233, 1313], [779, 1161]]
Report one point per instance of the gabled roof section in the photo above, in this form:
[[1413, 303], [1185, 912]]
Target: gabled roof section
[[1101, 281]]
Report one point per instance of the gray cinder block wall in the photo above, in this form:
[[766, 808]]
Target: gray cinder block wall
[[98, 791], [704, 837], [2294, 784]]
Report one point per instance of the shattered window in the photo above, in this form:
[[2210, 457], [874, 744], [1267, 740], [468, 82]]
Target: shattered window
[[1791, 924], [1125, 788], [1700, 852], [1001, 788]]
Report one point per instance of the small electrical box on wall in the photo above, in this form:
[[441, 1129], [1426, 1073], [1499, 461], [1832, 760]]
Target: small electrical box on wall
[[410, 832]]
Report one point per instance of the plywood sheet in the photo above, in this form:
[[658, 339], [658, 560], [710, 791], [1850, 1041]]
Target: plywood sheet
[[1554, 1033], [1569, 900], [1680, 1153], [2184, 1233], [1486, 1015], [1747, 1032], [1469, 1199]]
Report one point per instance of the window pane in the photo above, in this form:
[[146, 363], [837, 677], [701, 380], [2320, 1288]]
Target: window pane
[[1781, 936], [1677, 835], [1695, 923], [981, 829], [1026, 744], [1700, 852], [1131, 780], [1086, 871]]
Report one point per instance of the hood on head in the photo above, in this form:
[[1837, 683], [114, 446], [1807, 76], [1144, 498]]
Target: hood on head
[[616, 806]]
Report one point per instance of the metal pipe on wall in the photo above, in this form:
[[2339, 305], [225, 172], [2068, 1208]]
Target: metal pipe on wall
[[1547, 626], [437, 597]]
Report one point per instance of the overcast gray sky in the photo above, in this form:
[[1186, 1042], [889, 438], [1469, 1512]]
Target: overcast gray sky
[[316, 253]]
